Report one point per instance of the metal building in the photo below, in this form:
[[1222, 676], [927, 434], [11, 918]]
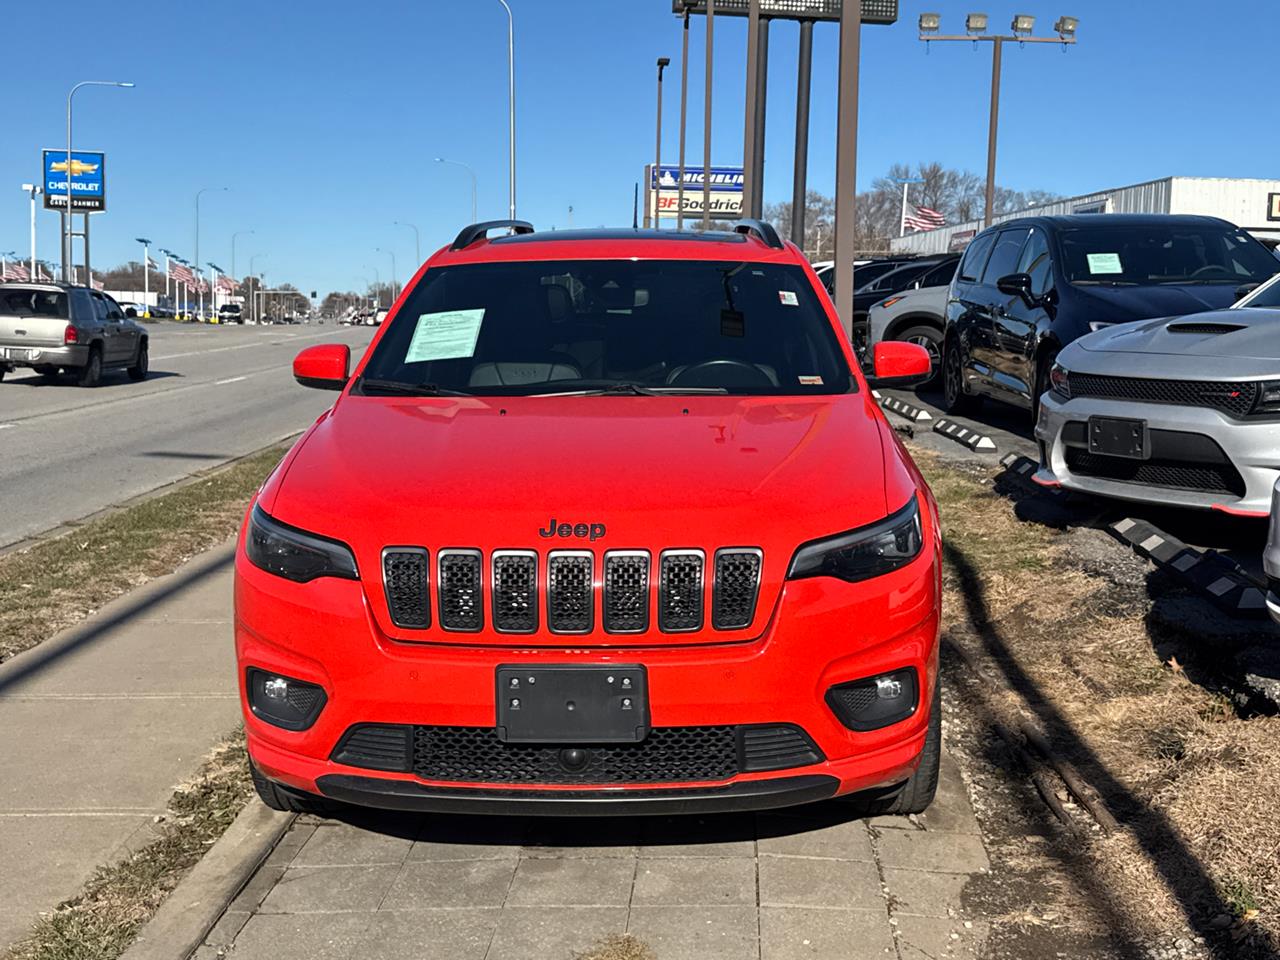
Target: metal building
[[1252, 204]]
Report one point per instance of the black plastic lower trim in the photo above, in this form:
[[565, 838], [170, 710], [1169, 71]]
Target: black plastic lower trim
[[737, 797]]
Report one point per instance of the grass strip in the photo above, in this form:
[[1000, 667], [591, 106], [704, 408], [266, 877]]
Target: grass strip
[[57, 583], [103, 920]]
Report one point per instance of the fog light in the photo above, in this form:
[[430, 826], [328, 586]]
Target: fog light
[[875, 702], [283, 701]]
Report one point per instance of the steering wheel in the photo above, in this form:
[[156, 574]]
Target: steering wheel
[[722, 372], [1207, 268]]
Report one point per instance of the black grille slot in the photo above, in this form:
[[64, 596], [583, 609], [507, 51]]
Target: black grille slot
[[1219, 478], [734, 588], [460, 590], [570, 597], [777, 748], [375, 746], [667, 755], [515, 592], [405, 576], [626, 592], [1234, 399], [680, 594]]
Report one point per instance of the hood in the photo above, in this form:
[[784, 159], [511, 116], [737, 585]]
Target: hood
[[931, 297], [1123, 304], [653, 472]]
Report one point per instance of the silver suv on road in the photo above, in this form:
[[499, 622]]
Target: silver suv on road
[[58, 328]]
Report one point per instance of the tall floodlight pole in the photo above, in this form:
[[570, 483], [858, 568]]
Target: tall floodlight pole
[[750, 131], [663, 63], [847, 158], [472, 174], [800, 172], [67, 225], [146, 275], [33, 191], [976, 27], [511, 107], [167, 254], [417, 240], [684, 110], [706, 120]]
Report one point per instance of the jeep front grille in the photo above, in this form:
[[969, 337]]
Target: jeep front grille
[[680, 591], [734, 587], [405, 576], [519, 584], [570, 597], [461, 594]]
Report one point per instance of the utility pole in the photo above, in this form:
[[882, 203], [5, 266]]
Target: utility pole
[[800, 172], [684, 109], [663, 63], [847, 158], [706, 120]]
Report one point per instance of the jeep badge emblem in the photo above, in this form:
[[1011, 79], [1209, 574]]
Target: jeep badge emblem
[[583, 531]]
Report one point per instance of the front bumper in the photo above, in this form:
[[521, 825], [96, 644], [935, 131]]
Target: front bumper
[[74, 355], [1251, 449], [822, 633]]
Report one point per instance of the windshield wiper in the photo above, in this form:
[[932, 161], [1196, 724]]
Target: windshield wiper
[[631, 389], [1105, 283], [409, 389]]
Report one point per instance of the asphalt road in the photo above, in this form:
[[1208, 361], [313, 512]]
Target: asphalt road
[[214, 393]]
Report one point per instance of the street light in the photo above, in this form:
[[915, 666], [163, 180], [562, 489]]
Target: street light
[[146, 276], [393, 270], [930, 22], [253, 300], [511, 107], [1021, 28], [417, 238], [238, 233], [167, 255], [466, 167], [33, 190], [67, 229], [663, 63]]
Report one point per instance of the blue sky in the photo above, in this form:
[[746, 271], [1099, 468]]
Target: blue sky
[[323, 118]]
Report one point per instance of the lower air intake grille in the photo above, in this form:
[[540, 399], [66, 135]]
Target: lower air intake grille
[[734, 589], [461, 600], [626, 592], [1219, 478], [680, 591], [375, 746], [570, 597], [667, 755], [515, 592], [405, 576]]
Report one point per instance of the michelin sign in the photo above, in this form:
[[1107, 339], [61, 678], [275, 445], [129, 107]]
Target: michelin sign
[[88, 181], [726, 191]]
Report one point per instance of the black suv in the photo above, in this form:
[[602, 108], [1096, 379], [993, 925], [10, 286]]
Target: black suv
[[1027, 287]]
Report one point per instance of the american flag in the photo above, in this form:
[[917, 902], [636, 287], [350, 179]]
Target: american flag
[[98, 285], [226, 284], [181, 273], [922, 218], [16, 271]]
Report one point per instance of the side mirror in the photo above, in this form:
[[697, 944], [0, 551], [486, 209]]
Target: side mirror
[[1016, 285], [325, 366], [1245, 289], [898, 364]]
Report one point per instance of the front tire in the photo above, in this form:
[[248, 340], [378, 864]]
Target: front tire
[[90, 374], [1042, 385], [286, 801], [139, 369], [954, 399], [915, 795]]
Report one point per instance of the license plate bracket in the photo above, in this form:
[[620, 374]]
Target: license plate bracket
[[1119, 437], [573, 703]]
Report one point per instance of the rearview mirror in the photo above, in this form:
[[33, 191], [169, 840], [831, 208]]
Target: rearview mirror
[[324, 366], [898, 364]]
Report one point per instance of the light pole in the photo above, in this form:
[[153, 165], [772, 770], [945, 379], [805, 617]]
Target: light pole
[[466, 167], [663, 63], [199, 285], [34, 191], [146, 276], [393, 270], [167, 254], [238, 233], [511, 107], [67, 228], [417, 239], [213, 286], [976, 30], [684, 110]]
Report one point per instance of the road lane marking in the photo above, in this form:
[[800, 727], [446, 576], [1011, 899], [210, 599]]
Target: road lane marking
[[219, 383], [245, 346]]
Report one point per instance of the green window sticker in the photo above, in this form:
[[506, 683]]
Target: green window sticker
[[448, 335], [1104, 263]]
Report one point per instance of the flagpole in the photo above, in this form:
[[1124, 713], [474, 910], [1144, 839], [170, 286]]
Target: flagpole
[[902, 220]]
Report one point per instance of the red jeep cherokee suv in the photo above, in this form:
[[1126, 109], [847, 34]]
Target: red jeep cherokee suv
[[603, 522]]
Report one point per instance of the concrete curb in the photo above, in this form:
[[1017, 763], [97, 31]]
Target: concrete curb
[[190, 911]]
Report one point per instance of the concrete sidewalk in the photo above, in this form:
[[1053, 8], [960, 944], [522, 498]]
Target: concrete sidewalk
[[807, 883], [99, 725]]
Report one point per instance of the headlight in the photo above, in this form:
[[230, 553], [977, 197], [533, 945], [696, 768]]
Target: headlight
[[1096, 325], [294, 554], [863, 553], [1060, 381], [1268, 397]]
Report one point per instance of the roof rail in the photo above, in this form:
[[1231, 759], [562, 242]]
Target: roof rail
[[477, 231], [761, 229]]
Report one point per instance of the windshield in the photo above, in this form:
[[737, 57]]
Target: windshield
[[34, 303], [1175, 254], [518, 329]]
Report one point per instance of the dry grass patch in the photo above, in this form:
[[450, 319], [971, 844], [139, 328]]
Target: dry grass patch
[[103, 920], [60, 582], [1183, 762], [618, 947]]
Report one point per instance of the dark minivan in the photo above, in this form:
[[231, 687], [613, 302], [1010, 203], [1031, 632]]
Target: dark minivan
[[1027, 287]]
